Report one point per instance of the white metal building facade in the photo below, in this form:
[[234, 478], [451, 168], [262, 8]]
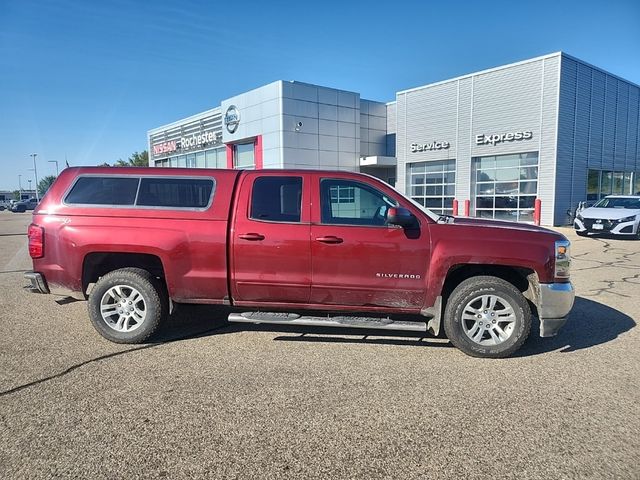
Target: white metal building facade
[[552, 127]]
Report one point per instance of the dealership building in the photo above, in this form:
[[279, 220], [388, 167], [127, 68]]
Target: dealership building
[[553, 128]]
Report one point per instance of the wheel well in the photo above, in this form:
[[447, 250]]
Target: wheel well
[[98, 264], [519, 277]]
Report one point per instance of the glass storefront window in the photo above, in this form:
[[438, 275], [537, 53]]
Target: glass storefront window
[[211, 159], [618, 183], [432, 184], [529, 187], [627, 183], [244, 155], [593, 185], [606, 183], [200, 160], [505, 186], [603, 183]]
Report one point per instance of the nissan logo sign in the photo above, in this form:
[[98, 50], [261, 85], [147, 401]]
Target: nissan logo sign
[[232, 118]]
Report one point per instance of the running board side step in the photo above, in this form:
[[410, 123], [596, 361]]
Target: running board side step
[[278, 318]]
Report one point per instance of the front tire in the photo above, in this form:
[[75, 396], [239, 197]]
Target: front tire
[[487, 317], [128, 305]]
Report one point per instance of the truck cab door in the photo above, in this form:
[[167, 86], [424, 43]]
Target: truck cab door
[[360, 260], [270, 253]]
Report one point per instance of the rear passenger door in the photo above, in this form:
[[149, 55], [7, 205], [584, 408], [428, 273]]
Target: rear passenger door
[[270, 245]]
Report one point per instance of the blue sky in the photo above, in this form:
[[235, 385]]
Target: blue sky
[[87, 79]]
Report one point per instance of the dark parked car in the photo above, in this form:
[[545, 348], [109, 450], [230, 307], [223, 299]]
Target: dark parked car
[[24, 205]]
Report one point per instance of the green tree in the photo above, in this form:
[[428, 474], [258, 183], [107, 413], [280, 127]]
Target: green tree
[[45, 183], [137, 159], [16, 194]]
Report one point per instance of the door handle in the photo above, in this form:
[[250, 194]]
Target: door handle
[[251, 236], [329, 239]]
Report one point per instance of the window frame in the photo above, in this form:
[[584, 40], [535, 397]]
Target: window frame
[[367, 186], [139, 178], [285, 222]]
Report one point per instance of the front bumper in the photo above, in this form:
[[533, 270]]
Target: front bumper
[[38, 283], [556, 300], [611, 227]]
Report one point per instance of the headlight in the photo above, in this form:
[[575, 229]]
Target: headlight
[[579, 217], [563, 259], [631, 218]]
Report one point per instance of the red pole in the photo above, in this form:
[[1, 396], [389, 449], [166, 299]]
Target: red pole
[[455, 207], [229, 148], [466, 208], [536, 211]]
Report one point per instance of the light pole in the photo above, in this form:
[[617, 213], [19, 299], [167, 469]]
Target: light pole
[[35, 173], [29, 188], [20, 183], [56, 162]]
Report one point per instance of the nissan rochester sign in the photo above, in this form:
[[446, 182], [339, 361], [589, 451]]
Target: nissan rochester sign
[[427, 147], [496, 138], [185, 143], [232, 118]]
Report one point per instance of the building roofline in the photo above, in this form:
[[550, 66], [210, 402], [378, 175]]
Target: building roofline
[[599, 69], [522, 62], [182, 121], [482, 72]]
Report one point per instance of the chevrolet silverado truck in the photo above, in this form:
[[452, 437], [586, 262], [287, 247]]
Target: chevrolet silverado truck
[[293, 247]]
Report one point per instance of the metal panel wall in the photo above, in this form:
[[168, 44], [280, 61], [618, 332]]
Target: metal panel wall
[[391, 129], [464, 128], [548, 139], [373, 128], [597, 128], [205, 122], [507, 100], [321, 127], [401, 141], [260, 114], [515, 98]]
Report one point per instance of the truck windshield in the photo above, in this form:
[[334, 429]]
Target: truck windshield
[[619, 202]]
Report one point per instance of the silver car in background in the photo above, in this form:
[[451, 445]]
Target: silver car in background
[[613, 215]]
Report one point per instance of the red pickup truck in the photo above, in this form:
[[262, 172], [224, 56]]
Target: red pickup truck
[[279, 246]]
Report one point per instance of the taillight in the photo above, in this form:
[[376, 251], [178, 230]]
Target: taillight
[[36, 241]]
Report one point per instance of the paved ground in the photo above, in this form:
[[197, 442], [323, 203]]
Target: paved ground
[[230, 402]]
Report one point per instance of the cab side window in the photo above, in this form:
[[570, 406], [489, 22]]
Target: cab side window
[[276, 199], [347, 202]]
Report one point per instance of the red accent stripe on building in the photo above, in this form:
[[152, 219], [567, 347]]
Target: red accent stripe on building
[[257, 152], [229, 155]]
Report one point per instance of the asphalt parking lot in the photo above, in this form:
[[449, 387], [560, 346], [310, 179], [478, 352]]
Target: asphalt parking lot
[[216, 401]]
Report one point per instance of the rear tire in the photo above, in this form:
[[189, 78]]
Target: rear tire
[[487, 317], [128, 305]]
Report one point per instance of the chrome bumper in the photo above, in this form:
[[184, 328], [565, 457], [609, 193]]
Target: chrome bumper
[[556, 300], [38, 283]]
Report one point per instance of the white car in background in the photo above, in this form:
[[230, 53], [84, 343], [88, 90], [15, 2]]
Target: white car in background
[[614, 215]]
